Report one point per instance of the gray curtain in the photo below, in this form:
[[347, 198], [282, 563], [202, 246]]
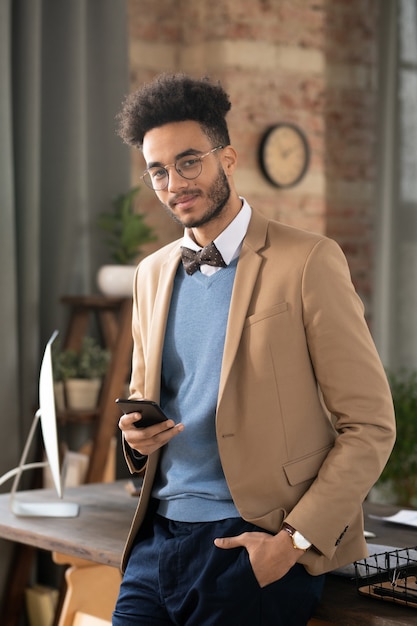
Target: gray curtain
[[63, 75]]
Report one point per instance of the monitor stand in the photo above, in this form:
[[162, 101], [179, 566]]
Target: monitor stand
[[35, 509]]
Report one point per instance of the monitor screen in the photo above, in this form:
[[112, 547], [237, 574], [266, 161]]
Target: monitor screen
[[48, 416], [26, 506]]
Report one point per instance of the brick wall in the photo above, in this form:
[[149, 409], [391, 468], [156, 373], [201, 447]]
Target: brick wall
[[312, 62]]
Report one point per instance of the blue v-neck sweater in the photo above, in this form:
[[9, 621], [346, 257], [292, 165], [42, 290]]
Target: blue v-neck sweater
[[190, 485]]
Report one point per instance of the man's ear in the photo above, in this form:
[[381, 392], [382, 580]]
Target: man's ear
[[229, 160]]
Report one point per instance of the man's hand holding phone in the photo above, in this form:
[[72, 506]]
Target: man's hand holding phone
[[144, 425]]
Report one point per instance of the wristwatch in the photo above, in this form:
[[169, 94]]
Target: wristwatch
[[298, 541]]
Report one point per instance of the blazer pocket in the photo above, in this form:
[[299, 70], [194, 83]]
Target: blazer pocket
[[305, 468], [262, 315]]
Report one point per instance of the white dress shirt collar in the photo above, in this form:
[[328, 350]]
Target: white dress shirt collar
[[229, 242]]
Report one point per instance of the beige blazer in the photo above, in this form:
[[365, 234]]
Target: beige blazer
[[305, 420]]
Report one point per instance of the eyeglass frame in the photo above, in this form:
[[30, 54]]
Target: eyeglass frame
[[198, 158]]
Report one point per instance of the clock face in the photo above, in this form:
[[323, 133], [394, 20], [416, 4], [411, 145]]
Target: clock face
[[284, 155]]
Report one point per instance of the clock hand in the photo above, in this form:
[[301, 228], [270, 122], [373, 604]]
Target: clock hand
[[286, 153]]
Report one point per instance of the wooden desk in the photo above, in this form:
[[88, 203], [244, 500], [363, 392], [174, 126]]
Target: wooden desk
[[91, 544], [97, 536], [341, 603]]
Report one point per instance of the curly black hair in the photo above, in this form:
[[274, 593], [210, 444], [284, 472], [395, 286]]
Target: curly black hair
[[175, 98]]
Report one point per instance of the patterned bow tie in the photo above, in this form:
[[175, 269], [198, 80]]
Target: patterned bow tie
[[207, 256]]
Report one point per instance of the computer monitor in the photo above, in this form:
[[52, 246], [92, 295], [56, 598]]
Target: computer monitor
[[47, 416]]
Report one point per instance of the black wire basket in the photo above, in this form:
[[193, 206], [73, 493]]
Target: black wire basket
[[389, 576]]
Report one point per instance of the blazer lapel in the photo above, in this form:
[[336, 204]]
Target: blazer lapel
[[247, 271], [159, 320]]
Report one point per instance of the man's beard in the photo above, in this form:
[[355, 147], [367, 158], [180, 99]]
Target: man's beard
[[218, 196]]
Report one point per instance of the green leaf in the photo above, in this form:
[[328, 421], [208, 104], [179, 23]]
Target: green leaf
[[401, 469], [126, 231]]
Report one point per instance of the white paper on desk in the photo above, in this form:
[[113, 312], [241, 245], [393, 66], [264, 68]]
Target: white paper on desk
[[407, 518]]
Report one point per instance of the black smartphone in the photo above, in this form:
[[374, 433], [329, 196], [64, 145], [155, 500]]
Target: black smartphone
[[151, 411]]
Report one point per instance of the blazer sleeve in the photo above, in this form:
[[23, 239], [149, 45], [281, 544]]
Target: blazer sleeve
[[136, 462], [355, 391]]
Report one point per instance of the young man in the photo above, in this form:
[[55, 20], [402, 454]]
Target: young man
[[280, 415]]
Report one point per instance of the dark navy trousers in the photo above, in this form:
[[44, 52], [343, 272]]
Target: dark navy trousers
[[176, 576]]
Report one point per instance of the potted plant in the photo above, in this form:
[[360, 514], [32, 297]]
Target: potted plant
[[399, 477], [125, 233], [81, 374]]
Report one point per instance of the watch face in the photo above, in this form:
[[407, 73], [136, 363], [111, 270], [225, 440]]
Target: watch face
[[301, 542], [284, 155]]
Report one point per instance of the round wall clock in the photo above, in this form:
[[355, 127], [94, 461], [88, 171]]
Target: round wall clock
[[284, 154]]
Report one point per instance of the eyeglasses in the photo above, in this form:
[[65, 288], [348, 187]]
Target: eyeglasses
[[188, 167]]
